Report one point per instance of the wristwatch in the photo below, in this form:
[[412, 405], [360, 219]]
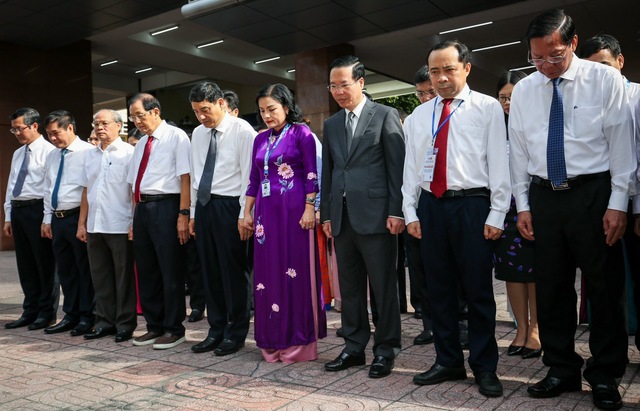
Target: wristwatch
[[184, 211]]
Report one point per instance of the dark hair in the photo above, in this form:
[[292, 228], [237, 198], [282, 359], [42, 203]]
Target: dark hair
[[600, 42], [464, 55], [230, 96], [205, 90], [548, 23], [135, 133], [149, 102], [30, 115], [282, 95], [422, 75], [509, 77], [349, 61], [62, 117]]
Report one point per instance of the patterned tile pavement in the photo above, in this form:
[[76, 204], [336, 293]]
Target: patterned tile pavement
[[60, 372]]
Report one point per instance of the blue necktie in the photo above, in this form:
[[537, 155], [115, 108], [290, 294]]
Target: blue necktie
[[22, 174], [204, 188], [556, 166], [56, 187]]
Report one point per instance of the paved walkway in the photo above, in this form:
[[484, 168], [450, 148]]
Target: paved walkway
[[59, 372]]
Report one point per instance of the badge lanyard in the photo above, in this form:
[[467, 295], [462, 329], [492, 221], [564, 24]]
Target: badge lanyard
[[266, 185], [428, 167]]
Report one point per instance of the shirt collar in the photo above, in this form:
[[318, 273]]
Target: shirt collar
[[462, 95], [38, 142], [570, 73], [160, 130], [358, 110], [224, 124], [115, 145]]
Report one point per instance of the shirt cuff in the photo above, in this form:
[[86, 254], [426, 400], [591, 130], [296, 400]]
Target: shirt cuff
[[47, 219], [522, 202], [496, 219], [619, 201], [410, 215]]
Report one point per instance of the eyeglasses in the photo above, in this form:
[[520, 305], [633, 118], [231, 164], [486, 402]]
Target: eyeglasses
[[504, 99], [430, 93], [550, 60], [135, 117], [104, 124], [343, 87], [17, 131]]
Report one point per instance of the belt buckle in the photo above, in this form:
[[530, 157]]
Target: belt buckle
[[559, 187], [59, 214]]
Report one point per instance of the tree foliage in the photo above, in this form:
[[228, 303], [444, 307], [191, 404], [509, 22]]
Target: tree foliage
[[406, 102]]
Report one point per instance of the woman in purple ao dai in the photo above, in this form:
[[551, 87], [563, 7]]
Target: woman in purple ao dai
[[289, 316]]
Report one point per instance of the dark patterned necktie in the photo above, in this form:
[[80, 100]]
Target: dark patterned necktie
[[204, 188], [556, 167]]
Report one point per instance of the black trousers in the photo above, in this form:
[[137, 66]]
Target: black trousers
[[224, 265], [417, 278], [111, 261], [372, 256], [36, 265], [455, 252], [568, 228], [160, 263], [193, 276], [632, 243], [73, 270]]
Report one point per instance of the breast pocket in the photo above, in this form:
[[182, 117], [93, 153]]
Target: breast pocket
[[587, 121], [475, 141], [116, 174]]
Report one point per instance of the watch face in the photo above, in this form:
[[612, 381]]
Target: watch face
[[183, 212]]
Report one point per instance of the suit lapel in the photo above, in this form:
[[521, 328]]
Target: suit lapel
[[341, 132], [363, 122]]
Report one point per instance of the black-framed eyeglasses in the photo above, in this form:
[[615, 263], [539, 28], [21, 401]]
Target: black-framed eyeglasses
[[17, 131]]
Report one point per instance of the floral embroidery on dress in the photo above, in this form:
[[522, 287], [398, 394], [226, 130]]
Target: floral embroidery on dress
[[286, 172], [291, 273], [260, 237], [275, 308], [260, 287], [312, 176]]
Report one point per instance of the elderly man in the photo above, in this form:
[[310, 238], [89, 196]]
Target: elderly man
[[23, 210], [106, 214], [456, 195], [63, 195], [220, 166], [159, 175], [572, 164]]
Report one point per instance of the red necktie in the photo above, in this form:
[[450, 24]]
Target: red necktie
[[439, 183], [143, 167]]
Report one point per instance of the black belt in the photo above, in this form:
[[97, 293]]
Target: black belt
[[219, 197], [25, 203], [570, 182], [148, 198], [469, 192], [66, 213]]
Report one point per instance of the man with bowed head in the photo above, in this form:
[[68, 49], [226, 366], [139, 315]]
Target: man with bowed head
[[573, 164], [361, 206]]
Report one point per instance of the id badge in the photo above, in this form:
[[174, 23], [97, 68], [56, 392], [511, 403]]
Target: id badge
[[429, 164], [266, 188]]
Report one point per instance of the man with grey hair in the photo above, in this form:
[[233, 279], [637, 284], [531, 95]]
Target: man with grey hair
[[106, 214]]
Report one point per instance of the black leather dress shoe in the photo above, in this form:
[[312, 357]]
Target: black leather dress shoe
[[344, 361], [195, 316], [488, 384], [438, 373], [424, 338], [39, 324], [381, 367], [531, 353], [417, 314], [20, 322], [209, 344], [606, 396], [227, 347], [63, 326], [339, 333], [515, 350], [82, 328], [100, 332], [123, 336], [550, 387]]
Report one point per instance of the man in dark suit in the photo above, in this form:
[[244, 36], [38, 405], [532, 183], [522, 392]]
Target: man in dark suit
[[361, 206]]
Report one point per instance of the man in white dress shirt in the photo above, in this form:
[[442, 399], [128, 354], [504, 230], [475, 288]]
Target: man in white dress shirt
[[456, 194], [220, 164], [572, 163], [159, 176], [23, 210], [106, 214], [605, 49], [63, 195]]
